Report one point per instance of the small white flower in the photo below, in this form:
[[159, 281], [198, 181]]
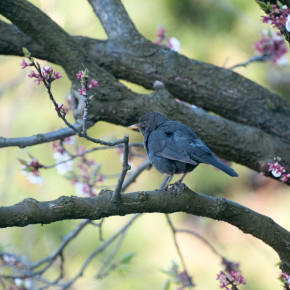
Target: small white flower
[[283, 60], [34, 179], [276, 173], [287, 24], [82, 189], [174, 44], [69, 141], [284, 7], [18, 282], [64, 167], [28, 283], [9, 259]]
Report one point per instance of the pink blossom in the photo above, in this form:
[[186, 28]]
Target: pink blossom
[[101, 178], [56, 75], [231, 276], [80, 75], [69, 140], [24, 64], [31, 171], [161, 32], [162, 40], [230, 279], [46, 72], [285, 177], [285, 279], [276, 169], [83, 189], [272, 46], [59, 108], [37, 77], [93, 84], [82, 91], [278, 17]]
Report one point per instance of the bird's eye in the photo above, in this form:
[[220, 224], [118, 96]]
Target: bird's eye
[[143, 125]]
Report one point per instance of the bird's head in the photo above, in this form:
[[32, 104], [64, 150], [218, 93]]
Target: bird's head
[[149, 122]]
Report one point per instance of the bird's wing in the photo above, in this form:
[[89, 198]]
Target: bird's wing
[[162, 143]]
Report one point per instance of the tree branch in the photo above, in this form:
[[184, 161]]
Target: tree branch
[[22, 142], [30, 211], [240, 143], [114, 19], [215, 89]]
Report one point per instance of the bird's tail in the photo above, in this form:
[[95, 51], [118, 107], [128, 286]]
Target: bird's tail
[[220, 165]]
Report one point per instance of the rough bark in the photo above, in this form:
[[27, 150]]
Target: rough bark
[[30, 211]]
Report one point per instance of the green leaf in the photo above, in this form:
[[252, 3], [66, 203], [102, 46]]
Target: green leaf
[[23, 162], [279, 4], [26, 52], [262, 4], [126, 258], [166, 284], [86, 72]]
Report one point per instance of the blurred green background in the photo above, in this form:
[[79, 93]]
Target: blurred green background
[[219, 32]]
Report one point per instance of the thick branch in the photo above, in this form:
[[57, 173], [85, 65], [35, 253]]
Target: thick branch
[[212, 88], [231, 141], [31, 211], [114, 19]]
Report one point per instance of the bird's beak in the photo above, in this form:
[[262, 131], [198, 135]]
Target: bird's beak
[[134, 127]]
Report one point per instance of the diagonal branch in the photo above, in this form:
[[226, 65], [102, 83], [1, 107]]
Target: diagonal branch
[[114, 19]]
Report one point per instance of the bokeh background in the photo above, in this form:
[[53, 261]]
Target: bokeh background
[[219, 32]]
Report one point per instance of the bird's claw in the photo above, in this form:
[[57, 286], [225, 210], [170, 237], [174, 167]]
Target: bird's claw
[[177, 186]]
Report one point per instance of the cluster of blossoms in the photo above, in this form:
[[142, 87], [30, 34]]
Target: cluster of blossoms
[[86, 85], [182, 279], [279, 170], [88, 176], [285, 279], [46, 73], [163, 40], [64, 163], [231, 277], [31, 170], [272, 47], [10, 261], [278, 15]]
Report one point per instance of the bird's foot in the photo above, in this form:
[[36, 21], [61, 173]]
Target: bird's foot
[[176, 186]]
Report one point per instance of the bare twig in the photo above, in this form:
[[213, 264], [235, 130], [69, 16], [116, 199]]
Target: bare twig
[[102, 273], [201, 238], [261, 58], [64, 243], [99, 250], [132, 177], [125, 168]]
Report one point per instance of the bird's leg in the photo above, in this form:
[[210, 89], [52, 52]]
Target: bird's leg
[[165, 187], [177, 183]]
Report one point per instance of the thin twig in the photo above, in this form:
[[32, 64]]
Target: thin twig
[[201, 238], [99, 250], [132, 177], [101, 273], [261, 58], [63, 244], [125, 168]]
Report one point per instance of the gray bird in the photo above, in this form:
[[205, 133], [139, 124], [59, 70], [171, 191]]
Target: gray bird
[[173, 148]]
